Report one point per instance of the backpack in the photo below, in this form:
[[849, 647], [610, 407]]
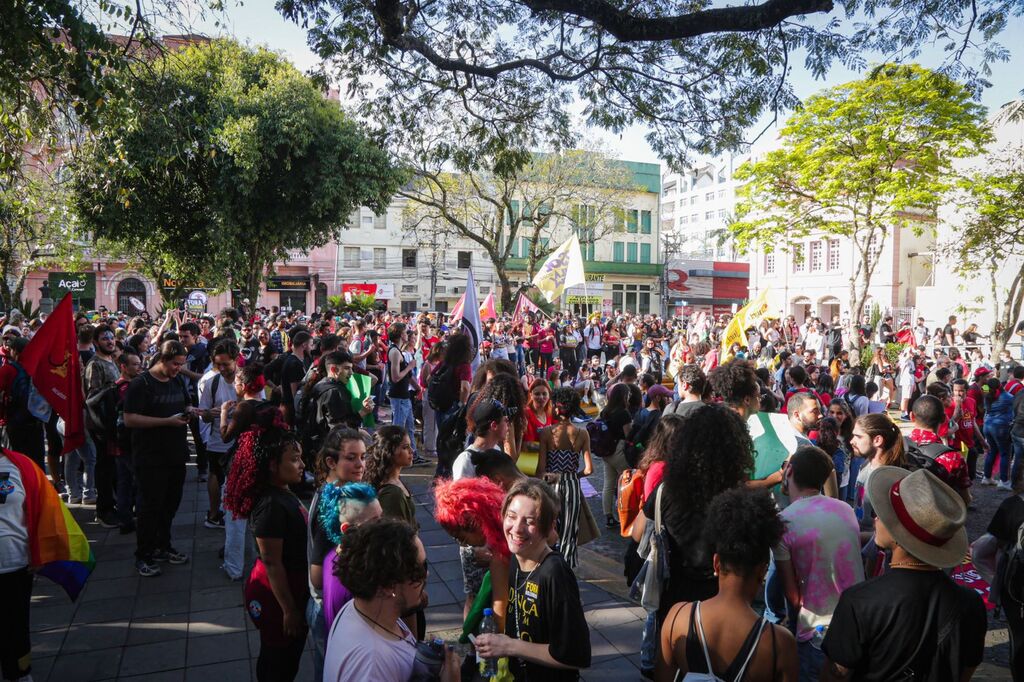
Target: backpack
[[631, 494], [101, 411], [923, 457], [441, 389], [638, 436], [26, 402], [451, 435], [1009, 578], [602, 443]]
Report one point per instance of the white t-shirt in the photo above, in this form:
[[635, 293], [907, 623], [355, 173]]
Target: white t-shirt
[[822, 541], [14, 552], [357, 651], [592, 337], [225, 392]]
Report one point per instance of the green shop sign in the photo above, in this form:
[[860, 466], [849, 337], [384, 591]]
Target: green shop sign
[[78, 284]]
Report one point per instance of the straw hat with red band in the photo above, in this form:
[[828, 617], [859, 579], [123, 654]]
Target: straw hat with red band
[[924, 515]]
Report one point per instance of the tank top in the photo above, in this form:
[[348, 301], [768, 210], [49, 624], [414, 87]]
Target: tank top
[[401, 388], [698, 661]]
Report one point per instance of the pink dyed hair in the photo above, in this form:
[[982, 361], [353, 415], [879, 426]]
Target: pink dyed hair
[[472, 504]]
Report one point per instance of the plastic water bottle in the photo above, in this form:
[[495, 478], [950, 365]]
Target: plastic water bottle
[[819, 636], [429, 661], [488, 626]]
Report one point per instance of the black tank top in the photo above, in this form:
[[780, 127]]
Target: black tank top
[[696, 662], [401, 389]]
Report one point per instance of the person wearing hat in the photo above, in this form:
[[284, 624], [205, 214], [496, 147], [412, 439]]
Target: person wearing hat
[[913, 622], [488, 420]]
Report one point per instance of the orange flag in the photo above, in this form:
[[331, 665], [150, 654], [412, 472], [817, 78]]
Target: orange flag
[[51, 359], [487, 310]]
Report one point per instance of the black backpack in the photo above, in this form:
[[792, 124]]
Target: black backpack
[[442, 391], [923, 457], [451, 436], [101, 411]]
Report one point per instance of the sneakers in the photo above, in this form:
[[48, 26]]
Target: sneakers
[[228, 575], [1004, 485], [988, 481], [107, 520], [419, 461], [170, 556], [905, 417], [215, 522], [610, 522], [147, 569]]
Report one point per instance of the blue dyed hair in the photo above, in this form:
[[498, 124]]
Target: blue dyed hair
[[340, 504]]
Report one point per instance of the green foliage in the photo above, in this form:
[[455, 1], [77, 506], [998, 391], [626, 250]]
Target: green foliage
[[858, 161], [358, 304], [696, 74], [875, 315], [220, 160], [892, 352]]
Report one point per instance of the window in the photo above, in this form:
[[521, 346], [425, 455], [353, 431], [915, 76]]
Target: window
[[709, 215], [683, 202], [710, 196], [645, 222], [721, 176], [815, 256], [693, 218], [833, 255], [769, 263], [721, 214], [645, 253], [410, 288], [513, 212], [380, 221], [631, 220], [514, 250], [586, 237], [619, 252], [684, 220], [693, 200], [408, 306], [367, 221], [127, 289], [380, 258], [632, 298], [721, 194], [408, 258], [351, 256], [464, 259], [631, 252], [799, 262], [321, 296]]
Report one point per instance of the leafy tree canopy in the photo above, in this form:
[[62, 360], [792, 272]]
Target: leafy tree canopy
[[698, 76], [859, 160], [221, 160]]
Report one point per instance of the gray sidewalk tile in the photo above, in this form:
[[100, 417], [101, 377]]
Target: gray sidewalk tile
[[229, 671], [440, 595], [100, 664], [173, 579], [88, 637], [105, 589], [48, 642], [158, 629], [218, 649], [152, 658], [50, 617], [119, 608], [165, 676], [216, 622], [210, 598], [613, 670], [611, 613], [161, 604]]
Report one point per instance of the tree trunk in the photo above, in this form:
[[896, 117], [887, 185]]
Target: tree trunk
[[506, 291], [1006, 322]]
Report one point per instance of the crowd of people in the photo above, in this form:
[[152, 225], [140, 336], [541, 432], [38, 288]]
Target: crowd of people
[[780, 523]]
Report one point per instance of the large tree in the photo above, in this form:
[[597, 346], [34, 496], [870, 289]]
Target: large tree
[[695, 75], [858, 161], [514, 205], [991, 238], [223, 159]]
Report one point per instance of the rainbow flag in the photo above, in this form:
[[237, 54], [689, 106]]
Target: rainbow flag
[[57, 545]]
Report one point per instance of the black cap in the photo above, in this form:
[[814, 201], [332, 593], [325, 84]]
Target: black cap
[[488, 410]]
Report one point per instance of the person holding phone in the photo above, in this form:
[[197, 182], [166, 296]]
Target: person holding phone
[[157, 409]]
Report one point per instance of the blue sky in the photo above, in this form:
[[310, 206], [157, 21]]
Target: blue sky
[[258, 23]]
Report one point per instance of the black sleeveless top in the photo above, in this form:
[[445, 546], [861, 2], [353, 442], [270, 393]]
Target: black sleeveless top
[[401, 389], [697, 663]]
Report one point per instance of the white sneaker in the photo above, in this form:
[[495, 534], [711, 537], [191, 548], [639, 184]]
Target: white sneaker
[[1005, 485], [988, 481]]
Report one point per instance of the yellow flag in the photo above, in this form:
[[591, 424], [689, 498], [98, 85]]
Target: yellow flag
[[746, 317], [562, 269]]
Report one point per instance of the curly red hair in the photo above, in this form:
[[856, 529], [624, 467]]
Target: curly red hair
[[472, 504]]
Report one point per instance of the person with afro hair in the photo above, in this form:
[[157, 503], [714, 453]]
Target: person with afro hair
[[715, 636]]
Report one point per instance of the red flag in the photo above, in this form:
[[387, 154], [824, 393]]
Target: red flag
[[51, 359]]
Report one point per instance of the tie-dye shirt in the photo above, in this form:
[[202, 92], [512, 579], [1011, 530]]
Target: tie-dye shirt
[[823, 541]]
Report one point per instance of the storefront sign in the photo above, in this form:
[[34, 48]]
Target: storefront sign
[[382, 292], [584, 300], [170, 284], [288, 283], [78, 284]]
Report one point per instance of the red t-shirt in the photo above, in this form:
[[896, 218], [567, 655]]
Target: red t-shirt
[[964, 434], [655, 474], [429, 343], [7, 375], [534, 425]]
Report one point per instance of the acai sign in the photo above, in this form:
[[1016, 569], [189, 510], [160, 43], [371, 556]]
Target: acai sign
[[78, 284]]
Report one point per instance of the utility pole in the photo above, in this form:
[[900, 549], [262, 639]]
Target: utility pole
[[433, 270]]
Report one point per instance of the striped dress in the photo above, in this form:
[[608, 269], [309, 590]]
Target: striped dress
[[567, 463]]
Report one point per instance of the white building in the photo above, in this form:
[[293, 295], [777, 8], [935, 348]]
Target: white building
[[623, 269], [696, 207]]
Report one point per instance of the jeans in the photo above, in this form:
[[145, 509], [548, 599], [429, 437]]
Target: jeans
[[318, 635], [1018, 456], [105, 469], [776, 608], [73, 479], [429, 427], [999, 443], [811, 660], [125, 488], [402, 415], [234, 544], [614, 465], [649, 643], [851, 487]]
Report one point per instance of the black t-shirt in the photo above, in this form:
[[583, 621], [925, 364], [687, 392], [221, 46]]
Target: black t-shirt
[[616, 422], [947, 331], [691, 571], [272, 371], [84, 356], [292, 370], [163, 445], [279, 514], [545, 608], [887, 626], [1007, 519]]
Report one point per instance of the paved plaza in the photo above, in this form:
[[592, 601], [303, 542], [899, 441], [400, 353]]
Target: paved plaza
[[189, 624]]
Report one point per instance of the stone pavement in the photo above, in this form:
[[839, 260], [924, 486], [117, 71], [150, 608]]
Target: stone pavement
[[189, 623]]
